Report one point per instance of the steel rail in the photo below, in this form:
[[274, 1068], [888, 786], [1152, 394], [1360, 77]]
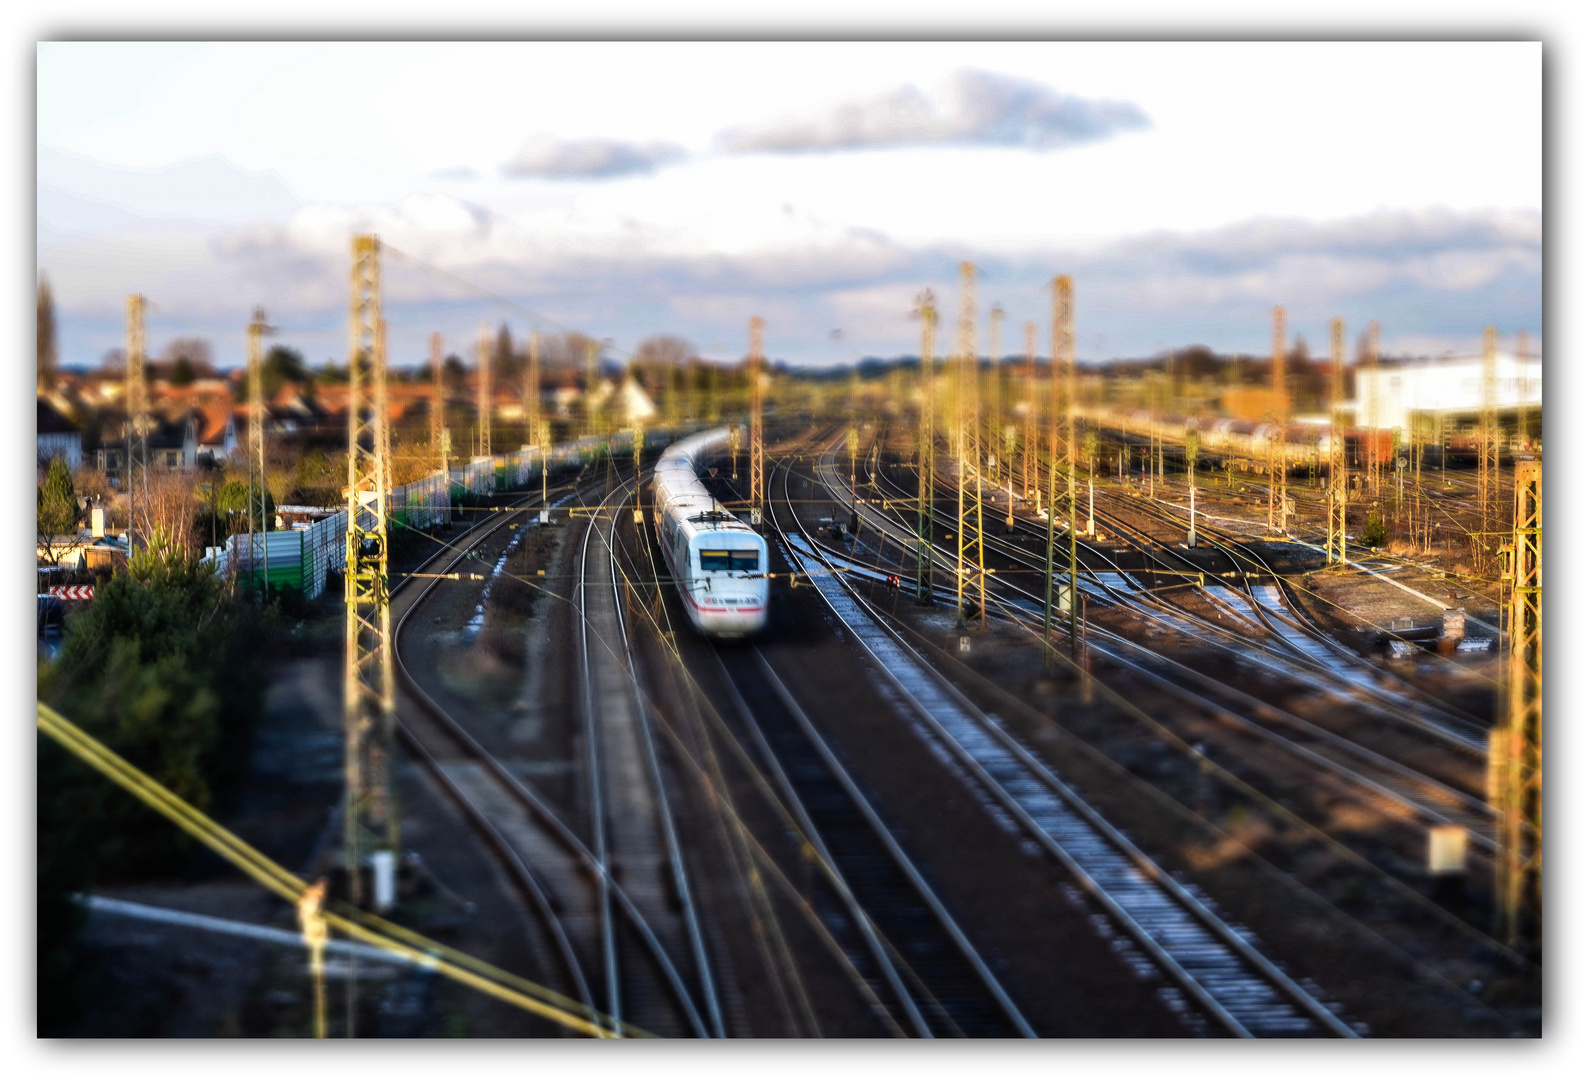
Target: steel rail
[[1382, 787], [897, 852], [675, 854], [1204, 995], [548, 817], [863, 922], [1207, 996]]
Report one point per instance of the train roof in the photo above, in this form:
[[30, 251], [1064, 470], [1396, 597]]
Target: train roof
[[679, 489]]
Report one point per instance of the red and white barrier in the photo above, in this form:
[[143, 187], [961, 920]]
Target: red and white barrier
[[73, 592]]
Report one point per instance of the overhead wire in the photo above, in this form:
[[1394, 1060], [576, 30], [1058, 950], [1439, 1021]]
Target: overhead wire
[[354, 923]]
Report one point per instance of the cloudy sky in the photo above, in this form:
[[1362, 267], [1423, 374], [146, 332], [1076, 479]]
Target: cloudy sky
[[632, 189]]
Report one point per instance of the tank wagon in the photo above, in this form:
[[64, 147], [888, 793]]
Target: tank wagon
[[718, 562]]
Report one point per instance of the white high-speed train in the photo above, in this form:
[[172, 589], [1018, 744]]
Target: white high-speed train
[[718, 561]]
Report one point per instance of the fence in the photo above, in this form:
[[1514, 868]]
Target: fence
[[422, 503], [478, 477]]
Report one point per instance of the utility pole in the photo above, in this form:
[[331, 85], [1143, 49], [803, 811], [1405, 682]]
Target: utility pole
[[1489, 451], [757, 444], [1516, 753], [370, 820], [136, 474], [926, 310], [1335, 552], [1276, 436], [484, 406], [258, 508]]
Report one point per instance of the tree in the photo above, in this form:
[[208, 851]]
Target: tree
[[281, 365], [58, 512], [163, 669], [182, 373], [196, 350], [47, 350]]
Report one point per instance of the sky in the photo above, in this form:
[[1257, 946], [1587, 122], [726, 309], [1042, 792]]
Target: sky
[[631, 189]]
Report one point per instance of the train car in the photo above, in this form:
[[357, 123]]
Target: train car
[[719, 563]]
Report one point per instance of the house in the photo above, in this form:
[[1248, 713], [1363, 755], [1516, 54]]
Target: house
[[172, 445], [57, 435]]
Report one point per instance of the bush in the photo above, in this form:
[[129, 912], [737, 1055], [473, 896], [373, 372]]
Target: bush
[[1373, 533]]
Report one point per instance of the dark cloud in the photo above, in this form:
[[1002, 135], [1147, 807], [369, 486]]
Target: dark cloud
[[982, 108], [547, 157]]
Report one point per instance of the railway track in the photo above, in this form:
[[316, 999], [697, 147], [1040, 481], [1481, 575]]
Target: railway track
[[1213, 964], [561, 878], [1425, 798], [635, 838], [903, 939]]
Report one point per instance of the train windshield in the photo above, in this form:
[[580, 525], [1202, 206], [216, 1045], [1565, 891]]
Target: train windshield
[[744, 559]]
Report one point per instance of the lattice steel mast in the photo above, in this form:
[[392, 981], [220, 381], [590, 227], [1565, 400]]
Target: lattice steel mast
[[532, 393], [1489, 451], [483, 405], [757, 438], [370, 821], [926, 311], [1280, 402], [1067, 311], [1375, 462], [136, 473], [964, 384], [592, 372], [1334, 551], [1062, 297], [258, 510], [438, 405], [1030, 486], [1517, 749]]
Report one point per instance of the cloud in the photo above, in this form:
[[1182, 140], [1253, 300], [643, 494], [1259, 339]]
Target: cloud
[[547, 157], [979, 108], [208, 188], [456, 173], [1426, 275]]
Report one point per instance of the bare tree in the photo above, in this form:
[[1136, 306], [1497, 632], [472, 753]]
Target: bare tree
[[174, 503]]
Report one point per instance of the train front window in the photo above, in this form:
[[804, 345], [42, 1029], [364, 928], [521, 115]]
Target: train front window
[[744, 559]]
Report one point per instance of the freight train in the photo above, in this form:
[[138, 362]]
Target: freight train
[[718, 562]]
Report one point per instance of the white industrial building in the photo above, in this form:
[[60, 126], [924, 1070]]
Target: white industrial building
[[1432, 398]]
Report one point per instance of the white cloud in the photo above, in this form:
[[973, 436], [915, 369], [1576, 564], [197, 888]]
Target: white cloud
[[978, 108], [547, 157]]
